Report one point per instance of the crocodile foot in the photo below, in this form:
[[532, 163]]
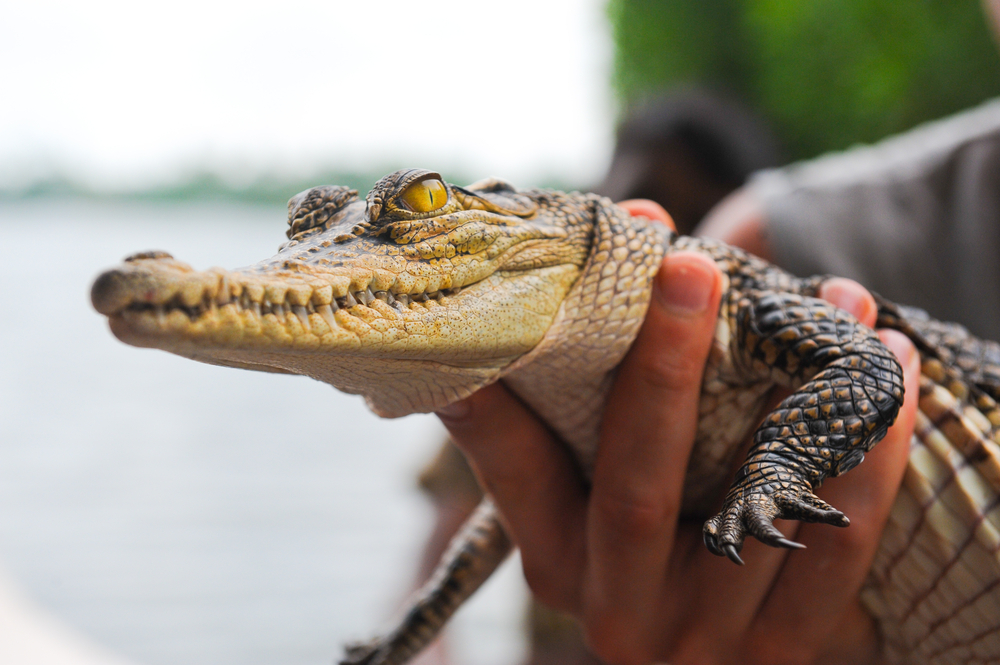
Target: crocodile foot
[[752, 510]]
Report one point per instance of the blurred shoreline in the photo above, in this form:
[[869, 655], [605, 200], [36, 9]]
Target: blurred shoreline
[[208, 185], [176, 512]]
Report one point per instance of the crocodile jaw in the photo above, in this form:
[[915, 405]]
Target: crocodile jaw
[[412, 309], [327, 323]]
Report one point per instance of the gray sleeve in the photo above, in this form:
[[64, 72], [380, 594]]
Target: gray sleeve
[[915, 218]]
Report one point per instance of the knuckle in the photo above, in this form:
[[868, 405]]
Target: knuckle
[[635, 515], [670, 370]]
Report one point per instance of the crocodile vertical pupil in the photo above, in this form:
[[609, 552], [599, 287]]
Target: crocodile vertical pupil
[[425, 196]]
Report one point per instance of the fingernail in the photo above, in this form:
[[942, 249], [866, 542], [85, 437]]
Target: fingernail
[[455, 410], [684, 284]]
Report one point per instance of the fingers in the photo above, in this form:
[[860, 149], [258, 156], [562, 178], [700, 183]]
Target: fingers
[[717, 600], [534, 483], [648, 430], [837, 561], [848, 294], [650, 209], [726, 601]]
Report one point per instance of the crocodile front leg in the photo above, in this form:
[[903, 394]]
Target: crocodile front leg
[[479, 547], [853, 393]]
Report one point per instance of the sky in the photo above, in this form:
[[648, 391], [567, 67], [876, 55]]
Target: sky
[[122, 95]]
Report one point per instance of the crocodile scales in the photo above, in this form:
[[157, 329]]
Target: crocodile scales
[[427, 291]]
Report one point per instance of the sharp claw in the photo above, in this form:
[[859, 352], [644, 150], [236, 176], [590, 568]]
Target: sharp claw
[[712, 544], [790, 544], [731, 552], [834, 518]]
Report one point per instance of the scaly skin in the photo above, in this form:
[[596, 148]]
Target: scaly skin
[[425, 292], [418, 284]]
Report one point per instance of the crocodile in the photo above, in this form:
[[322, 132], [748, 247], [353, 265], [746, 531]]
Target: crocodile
[[426, 291]]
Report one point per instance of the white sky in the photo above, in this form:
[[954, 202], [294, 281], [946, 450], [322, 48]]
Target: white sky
[[126, 94]]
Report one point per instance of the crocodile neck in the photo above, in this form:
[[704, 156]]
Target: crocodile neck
[[566, 378]]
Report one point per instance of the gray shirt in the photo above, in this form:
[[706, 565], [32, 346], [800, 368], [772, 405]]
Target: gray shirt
[[915, 218]]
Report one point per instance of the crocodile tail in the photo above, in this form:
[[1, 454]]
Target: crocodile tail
[[952, 356], [934, 581], [474, 553]]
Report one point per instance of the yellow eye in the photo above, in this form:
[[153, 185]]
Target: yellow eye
[[425, 196]]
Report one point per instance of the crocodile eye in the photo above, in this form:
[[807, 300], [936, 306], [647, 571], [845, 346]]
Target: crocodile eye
[[425, 196]]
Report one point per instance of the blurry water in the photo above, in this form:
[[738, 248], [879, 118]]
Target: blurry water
[[183, 513]]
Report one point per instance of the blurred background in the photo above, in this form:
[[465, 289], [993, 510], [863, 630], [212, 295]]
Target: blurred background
[[178, 513]]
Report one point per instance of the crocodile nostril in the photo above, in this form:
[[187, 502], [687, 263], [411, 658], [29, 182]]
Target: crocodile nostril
[[108, 294]]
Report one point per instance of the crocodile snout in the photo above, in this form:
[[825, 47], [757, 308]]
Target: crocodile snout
[[144, 278], [110, 293]]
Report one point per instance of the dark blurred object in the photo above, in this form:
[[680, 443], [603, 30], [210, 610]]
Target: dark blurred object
[[826, 74], [554, 638], [687, 150]]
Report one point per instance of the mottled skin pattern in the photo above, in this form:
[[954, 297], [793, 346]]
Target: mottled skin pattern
[[426, 291]]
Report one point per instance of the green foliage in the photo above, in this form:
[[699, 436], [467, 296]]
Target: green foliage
[[827, 73], [660, 43]]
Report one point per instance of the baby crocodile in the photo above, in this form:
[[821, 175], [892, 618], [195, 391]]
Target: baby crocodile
[[427, 291]]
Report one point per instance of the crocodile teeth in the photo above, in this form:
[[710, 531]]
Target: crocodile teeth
[[278, 311], [255, 307], [301, 312], [223, 297], [383, 296], [326, 311], [350, 301], [161, 315], [403, 298], [368, 296]]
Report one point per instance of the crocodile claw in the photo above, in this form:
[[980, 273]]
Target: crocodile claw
[[752, 512], [711, 543], [790, 544], [731, 552]]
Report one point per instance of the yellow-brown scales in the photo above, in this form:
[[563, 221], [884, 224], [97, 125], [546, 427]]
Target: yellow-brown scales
[[447, 285]]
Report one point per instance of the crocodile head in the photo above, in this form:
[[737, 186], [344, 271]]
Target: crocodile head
[[445, 286]]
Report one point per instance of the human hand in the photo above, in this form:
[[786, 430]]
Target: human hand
[[619, 558]]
